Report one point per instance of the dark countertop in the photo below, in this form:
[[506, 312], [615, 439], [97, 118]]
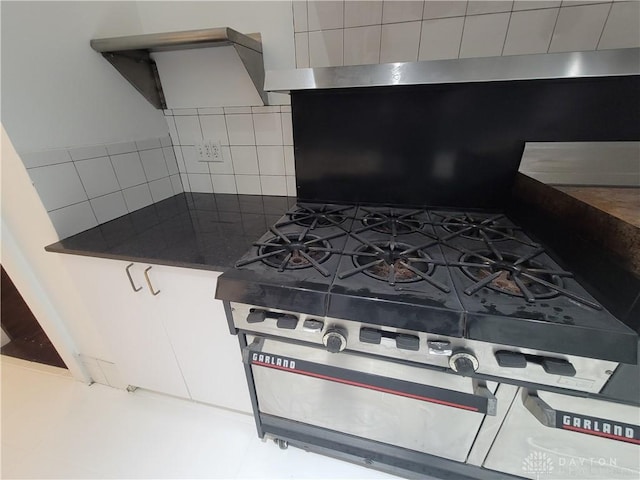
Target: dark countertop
[[196, 230]]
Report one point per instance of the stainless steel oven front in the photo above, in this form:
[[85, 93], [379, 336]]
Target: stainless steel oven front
[[376, 398]]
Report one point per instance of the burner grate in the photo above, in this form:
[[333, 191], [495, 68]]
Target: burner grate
[[294, 251], [392, 222], [316, 216], [519, 276], [478, 227]]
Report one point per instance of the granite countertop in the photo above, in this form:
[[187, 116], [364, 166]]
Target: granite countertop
[[194, 230]]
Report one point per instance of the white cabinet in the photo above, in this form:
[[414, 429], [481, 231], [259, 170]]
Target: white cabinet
[[175, 342]]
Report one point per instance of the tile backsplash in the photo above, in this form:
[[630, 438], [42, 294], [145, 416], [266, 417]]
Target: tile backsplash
[[257, 149], [333, 33], [85, 186]]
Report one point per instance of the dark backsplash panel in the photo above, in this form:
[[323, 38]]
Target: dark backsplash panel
[[455, 145]]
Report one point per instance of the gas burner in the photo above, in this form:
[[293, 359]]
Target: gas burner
[[322, 216], [518, 276], [292, 251], [392, 222], [476, 228], [393, 262]]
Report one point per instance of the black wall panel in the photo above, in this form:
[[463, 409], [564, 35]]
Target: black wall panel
[[455, 145]]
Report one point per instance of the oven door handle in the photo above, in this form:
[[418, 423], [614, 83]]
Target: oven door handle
[[480, 401], [575, 422]]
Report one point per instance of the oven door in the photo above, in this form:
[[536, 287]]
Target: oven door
[[377, 399], [552, 436]]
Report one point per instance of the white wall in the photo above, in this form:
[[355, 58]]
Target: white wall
[[40, 276], [272, 19], [58, 92]]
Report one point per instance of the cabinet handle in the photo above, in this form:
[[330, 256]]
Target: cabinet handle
[[146, 275], [133, 285]]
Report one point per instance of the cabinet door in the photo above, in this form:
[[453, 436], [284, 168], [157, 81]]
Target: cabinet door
[[129, 322], [209, 356]]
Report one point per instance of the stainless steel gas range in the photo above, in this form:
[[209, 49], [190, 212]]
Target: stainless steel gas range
[[441, 340], [424, 334]]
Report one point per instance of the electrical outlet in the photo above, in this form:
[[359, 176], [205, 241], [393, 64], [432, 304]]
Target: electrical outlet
[[209, 151], [216, 151]]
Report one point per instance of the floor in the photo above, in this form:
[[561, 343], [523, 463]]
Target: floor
[[28, 340], [55, 427]]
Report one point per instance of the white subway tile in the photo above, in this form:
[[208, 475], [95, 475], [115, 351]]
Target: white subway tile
[[137, 197], [211, 111], [484, 35], [477, 7], [441, 38], [286, 108], [176, 184], [225, 167], [167, 112], [622, 29], [236, 110], [361, 13], [97, 176], [400, 42], [128, 169], [189, 131], [268, 128], [530, 31], [302, 50], [291, 186], [173, 131], [266, 109], [214, 127], [83, 153], [224, 184], [240, 129], [185, 111], [287, 128], [325, 48], [111, 374], [58, 185], [534, 4], [271, 160], [94, 370], [300, 23], [184, 180], [73, 219], [125, 147], [44, 158], [248, 184], [289, 161], [401, 11], [164, 141], [192, 163], [154, 164], [109, 207], [180, 159], [579, 28], [245, 160], [273, 185], [324, 15], [574, 3], [161, 189], [362, 45], [444, 9], [148, 144], [170, 158]]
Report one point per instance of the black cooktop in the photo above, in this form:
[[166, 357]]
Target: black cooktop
[[456, 273]]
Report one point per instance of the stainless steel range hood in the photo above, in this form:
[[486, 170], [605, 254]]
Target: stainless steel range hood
[[491, 69], [131, 56]]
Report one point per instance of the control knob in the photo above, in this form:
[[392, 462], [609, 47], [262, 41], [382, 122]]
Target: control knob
[[335, 340], [463, 362]]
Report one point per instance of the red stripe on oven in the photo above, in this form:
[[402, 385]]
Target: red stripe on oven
[[600, 434], [364, 385]]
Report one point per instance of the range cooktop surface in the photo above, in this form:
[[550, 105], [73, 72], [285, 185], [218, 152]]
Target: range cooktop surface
[[461, 274]]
